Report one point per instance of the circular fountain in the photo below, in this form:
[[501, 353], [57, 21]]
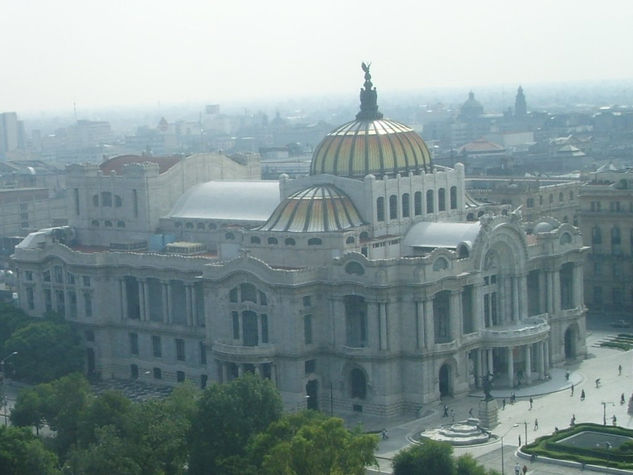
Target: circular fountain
[[466, 432]]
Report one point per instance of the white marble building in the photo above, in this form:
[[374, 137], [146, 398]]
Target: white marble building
[[361, 287]]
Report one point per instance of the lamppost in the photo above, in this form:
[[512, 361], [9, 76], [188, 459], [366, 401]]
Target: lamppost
[[502, 458], [4, 398]]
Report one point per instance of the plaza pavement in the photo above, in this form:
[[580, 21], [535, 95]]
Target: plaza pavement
[[553, 407]]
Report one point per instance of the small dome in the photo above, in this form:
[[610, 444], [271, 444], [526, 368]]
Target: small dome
[[543, 227], [320, 208], [370, 144], [472, 107]]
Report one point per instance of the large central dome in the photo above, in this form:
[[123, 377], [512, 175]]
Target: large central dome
[[370, 144]]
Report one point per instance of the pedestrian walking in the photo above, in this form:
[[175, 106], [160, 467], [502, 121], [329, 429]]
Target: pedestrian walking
[[573, 420], [445, 411], [619, 370], [531, 402], [597, 382], [566, 375], [504, 403], [582, 395], [614, 420], [385, 435], [535, 424], [572, 390], [622, 399], [517, 469], [519, 440], [524, 469], [452, 415]]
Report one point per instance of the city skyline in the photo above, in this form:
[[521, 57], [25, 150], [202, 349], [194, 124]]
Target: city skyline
[[115, 54]]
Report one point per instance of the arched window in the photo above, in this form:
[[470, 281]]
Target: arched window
[[441, 199], [565, 238], [350, 240], [440, 264], [430, 206], [314, 242], [248, 293], [405, 205], [229, 236], [354, 268], [95, 223], [358, 383], [118, 202], [417, 203], [380, 209], [255, 240], [189, 225], [393, 207], [108, 224], [272, 240], [290, 242], [453, 197], [212, 226], [120, 224]]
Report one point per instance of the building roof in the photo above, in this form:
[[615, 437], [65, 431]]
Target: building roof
[[228, 200], [446, 235], [370, 144], [481, 146], [116, 164], [319, 208]]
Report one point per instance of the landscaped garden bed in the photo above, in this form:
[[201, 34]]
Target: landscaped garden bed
[[589, 444]]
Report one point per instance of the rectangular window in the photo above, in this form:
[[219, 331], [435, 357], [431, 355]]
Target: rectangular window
[[70, 278], [48, 300], [61, 302], [88, 304], [157, 349], [158, 374], [86, 280], [180, 349], [133, 337], [72, 302], [28, 275], [89, 335], [46, 276], [76, 200], [180, 376], [203, 353], [417, 203], [203, 381], [307, 329], [307, 301], [58, 275], [310, 366], [264, 328], [236, 325]]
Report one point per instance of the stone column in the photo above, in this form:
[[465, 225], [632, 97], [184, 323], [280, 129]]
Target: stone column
[[454, 313], [523, 297], [510, 352], [429, 323], [541, 360], [123, 297], [542, 292], [515, 298], [491, 363], [194, 306], [546, 353], [188, 303], [337, 315], [374, 336], [146, 299], [556, 277], [382, 317], [165, 296], [578, 285], [480, 370], [478, 307], [419, 325], [549, 288], [528, 363], [141, 299], [225, 372]]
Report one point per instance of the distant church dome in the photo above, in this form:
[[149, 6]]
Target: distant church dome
[[472, 108], [370, 144], [319, 208]]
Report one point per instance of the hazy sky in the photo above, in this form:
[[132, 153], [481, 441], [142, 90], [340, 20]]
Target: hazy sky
[[99, 53]]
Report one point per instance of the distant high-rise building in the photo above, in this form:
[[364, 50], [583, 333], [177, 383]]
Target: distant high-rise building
[[520, 107], [9, 133]]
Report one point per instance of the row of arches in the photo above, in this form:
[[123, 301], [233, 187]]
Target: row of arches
[[404, 206]]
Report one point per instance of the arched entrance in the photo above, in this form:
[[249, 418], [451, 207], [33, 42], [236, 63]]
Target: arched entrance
[[571, 336], [312, 394], [446, 387]]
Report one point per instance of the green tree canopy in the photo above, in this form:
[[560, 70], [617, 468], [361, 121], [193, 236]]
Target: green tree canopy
[[227, 416], [429, 458], [21, 453], [310, 443], [11, 318], [46, 350]]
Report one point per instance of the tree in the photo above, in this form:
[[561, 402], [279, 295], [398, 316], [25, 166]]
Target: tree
[[110, 408], [11, 318], [29, 409], [21, 453], [467, 465], [227, 416], [46, 350], [428, 458], [310, 443]]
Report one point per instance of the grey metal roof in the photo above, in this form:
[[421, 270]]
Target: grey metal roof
[[228, 200], [447, 235]]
